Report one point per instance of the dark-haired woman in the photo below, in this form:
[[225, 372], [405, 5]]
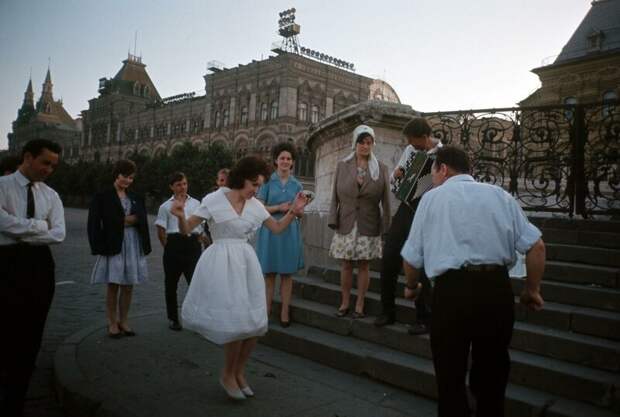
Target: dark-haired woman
[[118, 232], [360, 212], [280, 253], [226, 299]]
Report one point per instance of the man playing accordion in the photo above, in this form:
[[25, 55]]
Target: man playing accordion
[[411, 178]]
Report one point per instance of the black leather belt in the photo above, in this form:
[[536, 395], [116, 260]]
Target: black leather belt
[[482, 268]]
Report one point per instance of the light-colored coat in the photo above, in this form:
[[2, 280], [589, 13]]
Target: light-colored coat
[[369, 204]]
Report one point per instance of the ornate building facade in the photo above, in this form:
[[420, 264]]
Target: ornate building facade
[[248, 108], [48, 119], [587, 70]]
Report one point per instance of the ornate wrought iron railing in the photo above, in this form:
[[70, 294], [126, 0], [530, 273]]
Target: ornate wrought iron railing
[[562, 158]]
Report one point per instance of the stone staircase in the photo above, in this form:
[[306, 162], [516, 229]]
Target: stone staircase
[[565, 358]]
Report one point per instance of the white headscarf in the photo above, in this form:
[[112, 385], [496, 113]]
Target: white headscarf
[[373, 164]]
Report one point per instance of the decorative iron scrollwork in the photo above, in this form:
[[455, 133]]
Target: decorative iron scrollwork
[[546, 157]]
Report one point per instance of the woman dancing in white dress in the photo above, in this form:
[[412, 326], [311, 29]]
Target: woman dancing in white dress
[[226, 299]]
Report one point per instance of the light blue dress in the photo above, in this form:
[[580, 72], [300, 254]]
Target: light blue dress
[[281, 253], [127, 267]]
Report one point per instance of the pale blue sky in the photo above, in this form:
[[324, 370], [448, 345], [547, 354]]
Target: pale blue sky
[[438, 55]]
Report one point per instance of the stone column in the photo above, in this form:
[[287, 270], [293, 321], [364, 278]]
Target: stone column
[[232, 110], [288, 102], [252, 109], [207, 122], [329, 106]]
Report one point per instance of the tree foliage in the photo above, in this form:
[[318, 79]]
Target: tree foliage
[[78, 182]]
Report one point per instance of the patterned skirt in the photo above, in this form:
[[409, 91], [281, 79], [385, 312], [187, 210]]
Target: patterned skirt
[[354, 247]]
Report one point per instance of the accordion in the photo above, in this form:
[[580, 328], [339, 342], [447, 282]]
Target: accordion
[[416, 179]]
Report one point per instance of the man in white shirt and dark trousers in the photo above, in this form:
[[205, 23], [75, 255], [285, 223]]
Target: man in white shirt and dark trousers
[[181, 252], [465, 235], [31, 218], [418, 133]]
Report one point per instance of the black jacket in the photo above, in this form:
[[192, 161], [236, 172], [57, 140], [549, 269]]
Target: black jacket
[[106, 223]]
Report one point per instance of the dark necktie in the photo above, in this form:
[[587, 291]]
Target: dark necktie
[[30, 203]]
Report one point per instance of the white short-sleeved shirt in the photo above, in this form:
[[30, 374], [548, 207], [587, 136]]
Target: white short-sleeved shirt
[[464, 222], [169, 222], [47, 226]]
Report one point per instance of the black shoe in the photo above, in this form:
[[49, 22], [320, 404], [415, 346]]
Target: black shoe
[[418, 328], [343, 312], [384, 320], [126, 332], [115, 335], [175, 325]]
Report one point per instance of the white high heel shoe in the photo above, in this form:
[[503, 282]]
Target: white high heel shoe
[[247, 391], [235, 394]]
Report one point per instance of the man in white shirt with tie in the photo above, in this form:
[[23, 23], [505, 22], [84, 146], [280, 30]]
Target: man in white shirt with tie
[[31, 218], [465, 235]]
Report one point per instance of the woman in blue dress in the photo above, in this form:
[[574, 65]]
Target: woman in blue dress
[[280, 254]]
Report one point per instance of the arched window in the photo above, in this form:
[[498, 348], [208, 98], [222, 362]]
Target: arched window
[[609, 97], [263, 111], [217, 119], [146, 91], [569, 112], [314, 115], [244, 115], [136, 89], [226, 118], [302, 112], [274, 110]]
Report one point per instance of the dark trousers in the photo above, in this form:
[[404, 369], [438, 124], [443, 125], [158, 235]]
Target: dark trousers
[[26, 290], [181, 254], [392, 263], [472, 310]]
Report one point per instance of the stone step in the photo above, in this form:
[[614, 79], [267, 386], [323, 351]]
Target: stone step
[[576, 273], [580, 225], [583, 254], [598, 323], [600, 239], [416, 373], [585, 351], [578, 295]]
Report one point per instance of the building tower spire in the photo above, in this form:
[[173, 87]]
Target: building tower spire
[[47, 98], [27, 110]]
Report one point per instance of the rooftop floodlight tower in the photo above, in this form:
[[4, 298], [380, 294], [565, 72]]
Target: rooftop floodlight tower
[[289, 30]]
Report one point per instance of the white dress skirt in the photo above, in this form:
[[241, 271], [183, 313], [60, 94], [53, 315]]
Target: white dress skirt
[[226, 301]]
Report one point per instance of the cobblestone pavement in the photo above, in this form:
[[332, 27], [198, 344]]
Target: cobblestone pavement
[[289, 385], [78, 304]]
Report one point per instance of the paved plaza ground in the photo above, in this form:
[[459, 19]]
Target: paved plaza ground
[[165, 373]]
